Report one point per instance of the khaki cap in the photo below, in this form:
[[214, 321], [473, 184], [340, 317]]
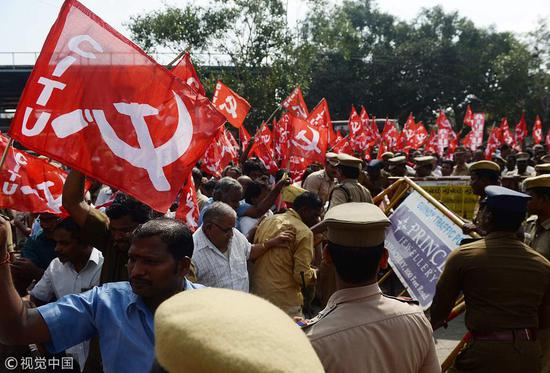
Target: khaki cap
[[332, 158], [546, 158], [388, 155], [397, 160], [543, 168], [349, 160], [424, 160], [222, 330], [542, 181], [484, 166], [356, 224]]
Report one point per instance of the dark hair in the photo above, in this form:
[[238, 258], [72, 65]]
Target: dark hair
[[355, 264], [231, 168], [175, 234], [70, 226], [252, 165], [503, 220], [124, 205], [349, 172], [253, 190], [197, 177], [488, 175], [210, 185], [307, 199]]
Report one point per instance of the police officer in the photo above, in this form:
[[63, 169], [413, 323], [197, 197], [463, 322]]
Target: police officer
[[424, 166], [348, 189], [542, 169], [537, 231], [362, 330], [506, 286]]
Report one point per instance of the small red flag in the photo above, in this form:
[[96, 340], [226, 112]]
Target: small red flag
[[521, 130], [186, 72], [295, 104], [281, 135], [537, 131], [320, 117], [506, 133], [231, 105], [469, 117], [188, 209], [263, 148], [307, 142]]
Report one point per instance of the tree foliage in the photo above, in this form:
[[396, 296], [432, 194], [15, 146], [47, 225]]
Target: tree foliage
[[353, 53]]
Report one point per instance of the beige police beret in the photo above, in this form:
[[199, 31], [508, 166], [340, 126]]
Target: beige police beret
[[484, 166], [388, 155], [332, 158], [397, 160], [546, 158], [424, 160], [222, 330], [356, 224], [543, 168], [349, 160], [542, 181]]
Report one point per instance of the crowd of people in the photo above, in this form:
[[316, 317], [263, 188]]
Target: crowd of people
[[117, 286]]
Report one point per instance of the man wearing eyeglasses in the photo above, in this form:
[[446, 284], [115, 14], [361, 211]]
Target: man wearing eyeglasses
[[221, 251]]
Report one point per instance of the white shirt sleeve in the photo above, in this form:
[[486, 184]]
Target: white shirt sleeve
[[43, 290]]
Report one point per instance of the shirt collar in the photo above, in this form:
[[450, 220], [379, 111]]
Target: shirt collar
[[135, 301], [501, 234], [349, 181], [94, 256], [293, 213], [351, 294]]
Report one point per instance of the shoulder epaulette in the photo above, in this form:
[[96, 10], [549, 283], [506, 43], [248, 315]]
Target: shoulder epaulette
[[402, 299], [320, 316]]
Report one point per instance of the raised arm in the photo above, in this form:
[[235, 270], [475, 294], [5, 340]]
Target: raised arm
[[18, 325], [73, 197], [268, 201]]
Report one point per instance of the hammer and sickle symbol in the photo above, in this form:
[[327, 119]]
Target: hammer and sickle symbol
[[230, 105], [308, 144]]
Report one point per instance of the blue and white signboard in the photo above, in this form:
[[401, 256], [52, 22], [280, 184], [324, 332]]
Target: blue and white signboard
[[419, 240]]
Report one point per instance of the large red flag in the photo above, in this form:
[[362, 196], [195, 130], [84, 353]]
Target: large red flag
[[390, 135], [30, 184], [341, 145], [446, 136], [432, 144], [281, 135], [231, 105], [506, 133], [420, 136], [295, 104], [320, 117], [469, 117], [537, 131], [307, 142], [186, 72], [99, 104], [521, 130], [263, 148], [188, 209], [474, 139], [494, 142]]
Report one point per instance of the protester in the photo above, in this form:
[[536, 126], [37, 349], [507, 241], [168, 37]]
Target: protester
[[494, 274], [76, 269], [537, 230], [198, 180], [281, 273], [460, 168], [221, 252], [447, 167], [358, 329], [120, 313]]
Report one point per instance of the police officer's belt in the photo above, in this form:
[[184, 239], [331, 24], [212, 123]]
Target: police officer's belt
[[506, 335]]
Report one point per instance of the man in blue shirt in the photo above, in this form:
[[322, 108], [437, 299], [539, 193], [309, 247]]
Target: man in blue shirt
[[120, 313]]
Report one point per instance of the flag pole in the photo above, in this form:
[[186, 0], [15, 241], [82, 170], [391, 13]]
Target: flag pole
[[5, 153], [272, 114], [180, 55]]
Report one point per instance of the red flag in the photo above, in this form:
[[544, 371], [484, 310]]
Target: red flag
[[521, 130], [231, 105], [537, 131], [281, 135], [446, 136], [494, 142], [368, 136], [474, 139], [244, 137], [263, 148], [30, 184], [307, 142], [186, 72], [469, 117], [234, 143], [355, 127], [390, 135], [218, 154], [341, 145], [296, 167], [420, 136], [295, 104], [432, 144], [320, 117], [188, 209], [506, 133], [90, 103], [382, 149], [548, 140], [413, 135]]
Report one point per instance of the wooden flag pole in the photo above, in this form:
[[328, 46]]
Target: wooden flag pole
[[180, 55], [452, 356], [5, 153], [272, 114]]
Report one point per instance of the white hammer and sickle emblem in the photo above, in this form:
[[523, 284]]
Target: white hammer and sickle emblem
[[308, 144], [230, 105], [355, 127], [152, 159], [299, 109]]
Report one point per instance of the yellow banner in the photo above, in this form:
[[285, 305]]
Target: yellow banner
[[456, 195]]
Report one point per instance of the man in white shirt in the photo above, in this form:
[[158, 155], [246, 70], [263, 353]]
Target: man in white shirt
[[221, 252], [76, 269]]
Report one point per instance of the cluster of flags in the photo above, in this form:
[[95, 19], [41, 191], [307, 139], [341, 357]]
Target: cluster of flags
[[99, 104]]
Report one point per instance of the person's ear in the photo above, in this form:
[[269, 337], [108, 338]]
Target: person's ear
[[384, 259], [182, 266]]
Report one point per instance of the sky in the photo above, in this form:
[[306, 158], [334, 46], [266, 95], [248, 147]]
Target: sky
[[24, 24]]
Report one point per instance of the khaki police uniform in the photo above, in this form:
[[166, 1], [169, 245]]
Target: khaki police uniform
[[349, 190], [505, 284], [221, 330], [361, 330]]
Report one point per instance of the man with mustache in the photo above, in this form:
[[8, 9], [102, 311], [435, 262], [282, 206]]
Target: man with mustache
[[119, 313]]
